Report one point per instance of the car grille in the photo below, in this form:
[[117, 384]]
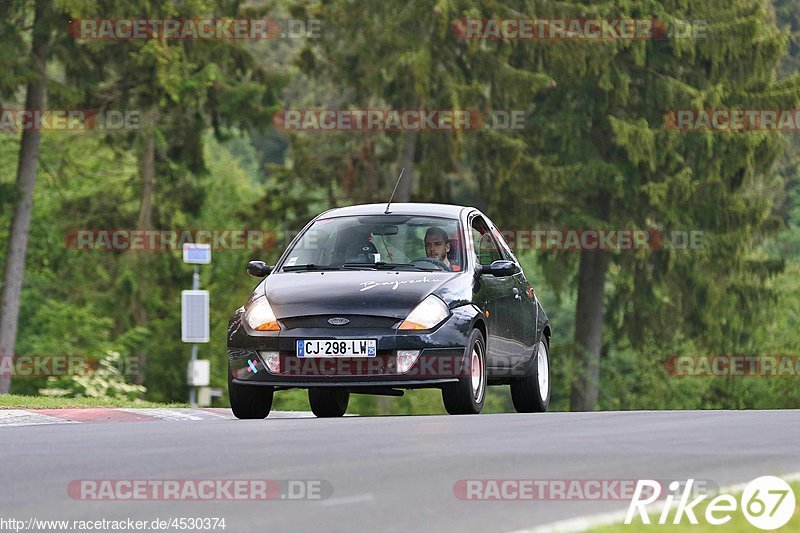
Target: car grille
[[356, 321], [239, 353]]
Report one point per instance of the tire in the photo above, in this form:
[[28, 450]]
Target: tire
[[249, 401], [328, 402], [467, 396], [529, 393]]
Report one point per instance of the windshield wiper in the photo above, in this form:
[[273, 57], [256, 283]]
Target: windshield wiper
[[382, 265], [309, 266]]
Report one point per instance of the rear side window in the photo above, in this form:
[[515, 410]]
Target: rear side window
[[485, 245], [505, 249]]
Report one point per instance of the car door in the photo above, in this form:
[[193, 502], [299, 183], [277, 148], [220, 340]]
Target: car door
[[495, 296], [524, 309]]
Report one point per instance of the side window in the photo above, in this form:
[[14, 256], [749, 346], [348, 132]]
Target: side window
[[484, 242], [505, 249]]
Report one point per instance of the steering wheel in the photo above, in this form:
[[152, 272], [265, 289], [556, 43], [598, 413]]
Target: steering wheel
[[438, 262]]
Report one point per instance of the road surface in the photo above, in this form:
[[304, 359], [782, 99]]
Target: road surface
[[393, 473]]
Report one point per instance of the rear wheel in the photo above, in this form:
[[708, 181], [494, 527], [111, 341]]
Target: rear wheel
[[466, 397], [531, 393], [249, 401], [328, 402]]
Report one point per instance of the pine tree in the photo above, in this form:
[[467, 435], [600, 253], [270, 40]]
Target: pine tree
[[598, 154]]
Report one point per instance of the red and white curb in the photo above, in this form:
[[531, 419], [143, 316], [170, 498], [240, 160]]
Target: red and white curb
[[21, 417], [38, 417]]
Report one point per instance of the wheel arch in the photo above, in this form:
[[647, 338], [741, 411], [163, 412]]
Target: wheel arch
[[480, 325]]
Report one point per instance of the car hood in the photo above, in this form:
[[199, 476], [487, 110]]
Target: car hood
[[376, 293]]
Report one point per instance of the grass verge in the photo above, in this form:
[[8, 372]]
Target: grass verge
[[14, 401]]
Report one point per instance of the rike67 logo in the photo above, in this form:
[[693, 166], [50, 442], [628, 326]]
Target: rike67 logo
[[767, 503]]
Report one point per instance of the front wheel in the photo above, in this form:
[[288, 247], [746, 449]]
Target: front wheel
[[531, 393], [328, 402], [249, 401], [466, 397]]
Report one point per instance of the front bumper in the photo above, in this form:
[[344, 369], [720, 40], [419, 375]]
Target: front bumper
[[440, 361]]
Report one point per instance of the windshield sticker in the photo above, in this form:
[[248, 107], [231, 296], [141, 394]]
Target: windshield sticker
[[367, 285], [291, 261]]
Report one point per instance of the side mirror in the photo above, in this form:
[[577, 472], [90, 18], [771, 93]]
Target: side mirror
[[500, 268], [258, 269]]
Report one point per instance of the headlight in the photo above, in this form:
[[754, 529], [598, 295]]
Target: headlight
[[430, 312], [260, 316]]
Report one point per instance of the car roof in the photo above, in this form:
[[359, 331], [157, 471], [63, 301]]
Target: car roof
[[440, 210]]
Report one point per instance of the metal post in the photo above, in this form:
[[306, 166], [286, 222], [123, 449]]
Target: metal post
[[195, 286], [193, 390]]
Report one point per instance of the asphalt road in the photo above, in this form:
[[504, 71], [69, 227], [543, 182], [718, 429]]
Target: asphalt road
[[387, 473]]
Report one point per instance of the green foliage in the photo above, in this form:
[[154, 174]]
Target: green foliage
[[106, 382], [594, 153], [17, 401]]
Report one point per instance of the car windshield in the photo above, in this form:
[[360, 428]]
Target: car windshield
[[378, 242]]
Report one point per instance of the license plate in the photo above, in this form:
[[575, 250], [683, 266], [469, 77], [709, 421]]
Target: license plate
[[334, 348]]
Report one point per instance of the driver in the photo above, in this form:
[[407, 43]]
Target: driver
[[437, 245]]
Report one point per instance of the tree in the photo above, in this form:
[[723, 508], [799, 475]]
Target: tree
[[35, 97], [182, 89], [601, 156]]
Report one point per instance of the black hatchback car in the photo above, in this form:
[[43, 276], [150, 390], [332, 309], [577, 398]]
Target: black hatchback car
[[376, 299]]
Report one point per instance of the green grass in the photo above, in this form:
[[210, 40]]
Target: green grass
[[737, 524], [417, 402], [14, 401]]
